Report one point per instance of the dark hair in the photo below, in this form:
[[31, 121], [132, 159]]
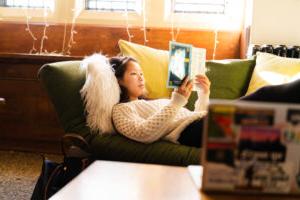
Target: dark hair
[[119, 64]]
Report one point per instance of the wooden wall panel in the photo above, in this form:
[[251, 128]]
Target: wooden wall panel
[[28, 120], [93, 38]]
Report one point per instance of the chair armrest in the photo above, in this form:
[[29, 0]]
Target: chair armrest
[[74, 145]]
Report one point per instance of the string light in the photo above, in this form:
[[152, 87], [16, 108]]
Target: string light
[[64, 40], [174, 36], [72, 31], [42, 50], [172, 21], [144, 23], [216, 42], [27, 29], [46, 25], [127, 26], [33, 49]]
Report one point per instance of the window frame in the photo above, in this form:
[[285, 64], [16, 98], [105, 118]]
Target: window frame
[[34, 14], [138, 2], [107, 18], [53, 2], [191, 12]]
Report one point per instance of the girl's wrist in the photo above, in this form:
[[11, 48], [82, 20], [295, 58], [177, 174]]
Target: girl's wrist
[[178, 100]]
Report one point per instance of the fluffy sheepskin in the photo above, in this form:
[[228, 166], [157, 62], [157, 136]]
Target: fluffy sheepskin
[[100, 93]]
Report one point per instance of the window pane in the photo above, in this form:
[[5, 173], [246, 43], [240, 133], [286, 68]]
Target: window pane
[[199, 6], [92, 5], [27, 3], [112, 5]]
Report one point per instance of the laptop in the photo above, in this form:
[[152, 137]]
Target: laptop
[[251, 147]]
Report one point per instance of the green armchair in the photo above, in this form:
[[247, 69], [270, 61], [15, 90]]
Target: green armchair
[[63, 81]]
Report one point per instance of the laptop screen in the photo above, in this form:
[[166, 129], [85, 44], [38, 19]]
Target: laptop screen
[[251, 147]]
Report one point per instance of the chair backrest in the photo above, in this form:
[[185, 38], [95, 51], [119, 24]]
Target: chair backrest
[[63, 81]]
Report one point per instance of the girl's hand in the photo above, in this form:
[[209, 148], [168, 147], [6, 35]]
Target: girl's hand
[[186, 87], [203, 82]]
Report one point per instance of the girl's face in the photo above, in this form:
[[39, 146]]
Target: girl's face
[[133, 80]]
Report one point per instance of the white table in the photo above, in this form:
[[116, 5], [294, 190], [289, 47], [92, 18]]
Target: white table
[[121, 180], [107, 180]]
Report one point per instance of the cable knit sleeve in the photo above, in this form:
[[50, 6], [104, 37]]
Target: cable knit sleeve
[[130, 124], [202, 101]]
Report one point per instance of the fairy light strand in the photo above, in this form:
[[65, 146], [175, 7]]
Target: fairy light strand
[[72, 33], [130, 36], [173, 34], [46, 25], [27, 29], [172, 21], [33, 49], [216, 42], [66, 46], [144, 23], [64, 38], [177, 33]]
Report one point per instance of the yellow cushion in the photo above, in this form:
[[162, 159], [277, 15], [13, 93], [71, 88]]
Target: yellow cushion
[[154, 63], [273, 70]]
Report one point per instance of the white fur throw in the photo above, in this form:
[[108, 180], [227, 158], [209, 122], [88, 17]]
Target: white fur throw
[[100, 93]]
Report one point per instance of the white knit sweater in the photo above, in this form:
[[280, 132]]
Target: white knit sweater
[[148, 121]]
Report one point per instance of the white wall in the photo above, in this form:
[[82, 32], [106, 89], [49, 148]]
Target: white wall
[[276, 22]]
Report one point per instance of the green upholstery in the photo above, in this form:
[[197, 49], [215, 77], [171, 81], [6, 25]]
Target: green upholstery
[[229, 79], [117, 147], [63, 81]]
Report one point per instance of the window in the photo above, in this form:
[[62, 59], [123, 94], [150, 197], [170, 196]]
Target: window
[[27, 3], [113, 5], [205, 14], [223, 14], [199, 6]]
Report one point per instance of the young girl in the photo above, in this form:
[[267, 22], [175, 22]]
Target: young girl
[[150, 120]]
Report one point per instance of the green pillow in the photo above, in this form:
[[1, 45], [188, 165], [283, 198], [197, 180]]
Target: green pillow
[[229, 79]]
